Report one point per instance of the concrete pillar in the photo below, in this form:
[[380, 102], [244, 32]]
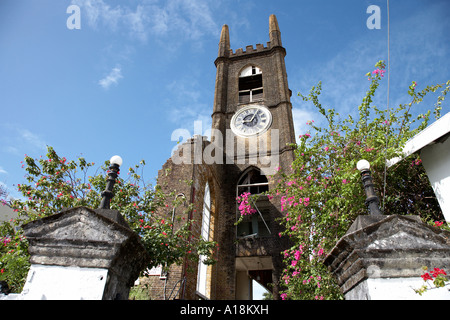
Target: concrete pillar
[[81, 254], [381, 257]]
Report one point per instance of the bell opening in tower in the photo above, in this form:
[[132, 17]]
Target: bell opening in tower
[[250, 85]]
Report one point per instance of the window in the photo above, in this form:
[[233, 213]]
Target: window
[[206, 222], [254, 225], [250, 85], [254, 182]]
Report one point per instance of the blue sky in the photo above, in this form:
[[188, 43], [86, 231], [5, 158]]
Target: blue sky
[[138, 70]]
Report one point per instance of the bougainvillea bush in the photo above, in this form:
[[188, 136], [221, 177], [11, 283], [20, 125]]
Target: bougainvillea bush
[[433, 279], [55, 183], [322, 194]]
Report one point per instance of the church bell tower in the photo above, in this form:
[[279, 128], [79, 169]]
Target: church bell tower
[[252, 129], [253, 115], [253, 83]]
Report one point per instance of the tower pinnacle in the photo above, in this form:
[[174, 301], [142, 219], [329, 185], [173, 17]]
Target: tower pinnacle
[[274, 31], [224, 43]]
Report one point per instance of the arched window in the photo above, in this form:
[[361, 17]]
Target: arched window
[[250, 85], [202, 273], [253, 181], [255, 225]]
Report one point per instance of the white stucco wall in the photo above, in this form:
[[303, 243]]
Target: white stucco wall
[[436, 160], [395, 289], [433, 143], [64, 283]]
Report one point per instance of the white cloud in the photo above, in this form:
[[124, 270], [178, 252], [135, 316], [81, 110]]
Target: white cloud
[[3, 171], [189, 19], [97, 12], [11, 150], [33, 139], [301, 117], [112, 78], [413, 55], [185, 19], [17, 141], [137, 23], [186, 107]]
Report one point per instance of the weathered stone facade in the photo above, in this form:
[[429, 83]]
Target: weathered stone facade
[[80, 253], [381, 257], [255, 251], [187, 180]]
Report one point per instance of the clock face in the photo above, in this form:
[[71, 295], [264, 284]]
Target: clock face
[[250, 121]]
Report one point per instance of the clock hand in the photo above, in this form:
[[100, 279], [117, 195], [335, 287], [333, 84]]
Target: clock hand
[[251, 118]]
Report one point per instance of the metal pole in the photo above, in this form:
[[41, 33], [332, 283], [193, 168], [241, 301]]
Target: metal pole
[[372, 200], [108, 193]]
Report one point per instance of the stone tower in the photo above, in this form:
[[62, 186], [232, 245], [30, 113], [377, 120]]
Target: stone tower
[[254, 77], [252, 128]]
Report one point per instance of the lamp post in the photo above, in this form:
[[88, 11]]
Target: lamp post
[[115, 163], [372, 200]]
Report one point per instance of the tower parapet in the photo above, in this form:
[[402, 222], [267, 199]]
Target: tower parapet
[[275, 42], [260, 48]]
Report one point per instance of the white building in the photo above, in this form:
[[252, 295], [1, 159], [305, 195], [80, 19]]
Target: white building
[[433, 145]]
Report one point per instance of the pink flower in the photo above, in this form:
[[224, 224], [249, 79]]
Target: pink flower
[[294, 263], [306, 202], [344, 181], [6, 240], [244, 206], [306, 135], [326, 148], [379, 72]]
